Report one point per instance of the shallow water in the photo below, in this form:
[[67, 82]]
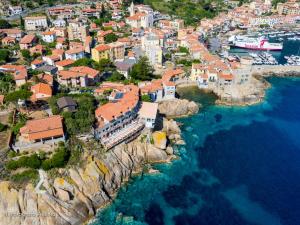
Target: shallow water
[[241, 165]]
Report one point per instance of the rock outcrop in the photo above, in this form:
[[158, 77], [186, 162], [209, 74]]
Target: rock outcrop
[[75, 196], [178, 108]]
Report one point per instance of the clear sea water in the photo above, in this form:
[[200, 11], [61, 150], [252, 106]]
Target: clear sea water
[[240, 166]]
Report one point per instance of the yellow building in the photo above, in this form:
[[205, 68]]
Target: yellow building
[[100, 52]]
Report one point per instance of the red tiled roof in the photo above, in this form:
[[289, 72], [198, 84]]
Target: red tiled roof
[[43, 128]]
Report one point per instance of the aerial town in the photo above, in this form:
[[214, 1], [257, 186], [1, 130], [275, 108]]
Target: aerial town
[[100, 72]]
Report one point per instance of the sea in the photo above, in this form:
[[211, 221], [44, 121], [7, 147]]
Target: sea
[[240, 166]]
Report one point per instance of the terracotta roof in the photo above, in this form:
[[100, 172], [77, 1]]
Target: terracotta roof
[[41, 88], [19, 72], [66, 62], [85, 70], [48, 33], [137, 16], [43, 128], [27, 39], [46, 78], [102, 48], [113, 110], [37, 61], [74, 51], [171, 73], [65, 74]]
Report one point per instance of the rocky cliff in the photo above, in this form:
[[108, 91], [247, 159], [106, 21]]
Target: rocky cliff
[[177, 108], [73, 197]]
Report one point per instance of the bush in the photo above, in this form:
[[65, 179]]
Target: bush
[[25, 176], [32, 161], [59, 159], [146, 98], [2, 127]]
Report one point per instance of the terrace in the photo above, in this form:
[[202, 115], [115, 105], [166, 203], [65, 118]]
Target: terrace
[[123, 134]]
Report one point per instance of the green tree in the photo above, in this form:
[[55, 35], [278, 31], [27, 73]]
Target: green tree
[[16, 95], [2, 127], [142, 70], [146, 98], [4, 24], [26, 54], [4, 55], [109, 38], [116, 76], [83, 62], [58, 160]]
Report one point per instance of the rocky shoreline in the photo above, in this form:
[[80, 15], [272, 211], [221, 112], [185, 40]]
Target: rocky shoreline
[[74, 196]]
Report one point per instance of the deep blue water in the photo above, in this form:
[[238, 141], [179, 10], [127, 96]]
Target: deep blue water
[[240, 166]]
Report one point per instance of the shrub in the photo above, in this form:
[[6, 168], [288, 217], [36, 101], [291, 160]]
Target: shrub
[[32, 161]]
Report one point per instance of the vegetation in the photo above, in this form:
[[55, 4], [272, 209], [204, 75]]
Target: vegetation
[[142, 70], [26, 55], [58, 160], [109, 38], [116, 76], [7, 83], [82, 120], [183, 50], [188, 10], [22, 94], [4, 55], [2, 127], [146, 98], [25, 176], [35, 161], [4, 24]]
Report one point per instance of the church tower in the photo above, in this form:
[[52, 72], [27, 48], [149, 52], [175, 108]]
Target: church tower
[[131, 9]]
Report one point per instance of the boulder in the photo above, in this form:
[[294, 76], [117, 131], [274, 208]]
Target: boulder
[[170, 150], [160, 139], [178, 108], [155, 154]]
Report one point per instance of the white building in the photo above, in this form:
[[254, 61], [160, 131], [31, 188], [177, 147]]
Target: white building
[[75, 54], [59, 23], [151, 47], [148, 113], [142, 18], [35, 23], [15, 10], [49, 36]]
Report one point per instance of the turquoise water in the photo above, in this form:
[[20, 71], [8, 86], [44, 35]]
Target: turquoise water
[[240, 166]]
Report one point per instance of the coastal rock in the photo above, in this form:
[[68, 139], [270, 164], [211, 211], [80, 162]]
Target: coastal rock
[[74, 198], [160, 139], [171, 128], [156, 155], [170, 150], [177, 108]]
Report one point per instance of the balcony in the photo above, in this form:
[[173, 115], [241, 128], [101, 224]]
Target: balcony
[[123, 134]]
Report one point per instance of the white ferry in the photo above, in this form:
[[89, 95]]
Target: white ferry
[[254, 43]]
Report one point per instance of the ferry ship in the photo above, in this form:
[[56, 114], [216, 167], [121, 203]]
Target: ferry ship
[[254, 43]]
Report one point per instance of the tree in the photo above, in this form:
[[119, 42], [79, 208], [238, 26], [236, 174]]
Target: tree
[[4, 55], [16, 95], [103, 65], [142, 70], [4, 24], [26, 54], [59, 159], [83, 62], [2, 127], [109, 38], [116, 76], [146, 98], [22, 23]]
